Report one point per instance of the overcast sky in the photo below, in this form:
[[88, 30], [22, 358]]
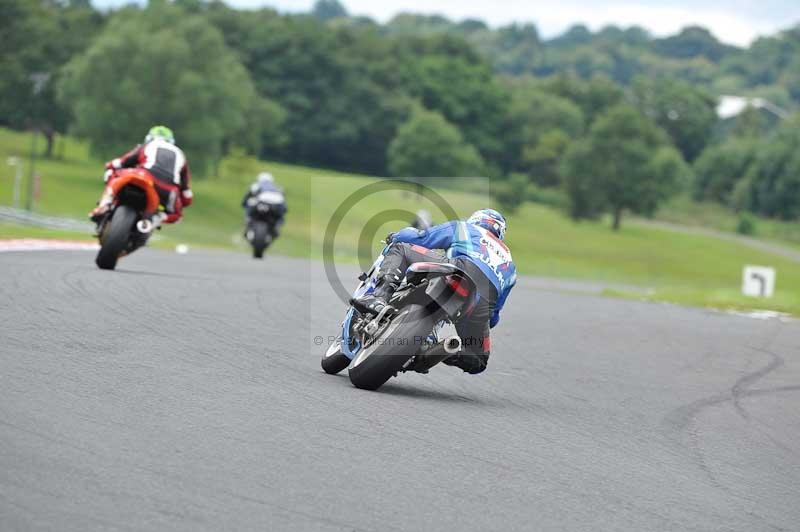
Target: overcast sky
[[733, 21]]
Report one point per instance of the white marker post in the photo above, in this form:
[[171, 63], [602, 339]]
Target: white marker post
[[14, 162], [758, 281]]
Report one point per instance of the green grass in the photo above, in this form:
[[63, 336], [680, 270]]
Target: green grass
[[9, 230], [682, 210], [679, 267]]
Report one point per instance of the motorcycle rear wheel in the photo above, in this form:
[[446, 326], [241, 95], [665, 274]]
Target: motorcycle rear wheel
[[115, 237], [260, 233], [377, 363]]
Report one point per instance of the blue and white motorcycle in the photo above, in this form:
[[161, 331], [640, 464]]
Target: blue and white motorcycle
[[404, 336]]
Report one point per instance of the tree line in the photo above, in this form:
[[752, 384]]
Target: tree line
[[614, 121]]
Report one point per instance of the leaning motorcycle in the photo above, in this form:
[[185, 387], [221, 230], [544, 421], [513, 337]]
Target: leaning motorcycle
[[404, 336], [128, 223], [263, 212]]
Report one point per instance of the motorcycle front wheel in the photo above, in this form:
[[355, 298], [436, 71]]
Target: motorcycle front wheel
[[334, 361]]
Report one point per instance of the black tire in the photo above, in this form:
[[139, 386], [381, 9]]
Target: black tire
[[379, 362], [334, 361], [260, 231], [115, 237]]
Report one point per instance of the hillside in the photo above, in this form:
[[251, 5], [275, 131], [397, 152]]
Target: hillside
[[421, 96], [671, 266], [694, 54]]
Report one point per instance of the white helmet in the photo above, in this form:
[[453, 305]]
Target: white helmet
[[265, 177]]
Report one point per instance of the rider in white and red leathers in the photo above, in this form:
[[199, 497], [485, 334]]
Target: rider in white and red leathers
[[166, 163]]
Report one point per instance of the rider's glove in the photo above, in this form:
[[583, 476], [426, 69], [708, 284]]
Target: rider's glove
[[389, 237], [187, 197]]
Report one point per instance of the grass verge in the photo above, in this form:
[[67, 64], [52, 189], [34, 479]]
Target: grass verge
[[677, 267]]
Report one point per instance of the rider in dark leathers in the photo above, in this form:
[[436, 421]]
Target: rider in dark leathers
[[476, 246], [265, 183]]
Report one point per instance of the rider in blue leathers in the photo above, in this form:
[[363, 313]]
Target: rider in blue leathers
[[476, 246]]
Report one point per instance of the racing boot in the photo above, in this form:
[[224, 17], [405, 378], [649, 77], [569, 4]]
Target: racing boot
[[468, 362], [375, 302], [103, 205]]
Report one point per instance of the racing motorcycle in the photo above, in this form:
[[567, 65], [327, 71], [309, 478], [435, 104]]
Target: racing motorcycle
[[129, 221], [263, 211], [403, 336]]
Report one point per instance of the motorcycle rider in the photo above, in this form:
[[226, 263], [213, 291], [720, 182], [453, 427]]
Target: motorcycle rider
[[476, 247], [422, 220], [265, 182], [166, 162]]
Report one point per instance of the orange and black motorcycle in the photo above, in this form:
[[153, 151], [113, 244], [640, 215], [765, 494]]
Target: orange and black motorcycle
[[128, 223]]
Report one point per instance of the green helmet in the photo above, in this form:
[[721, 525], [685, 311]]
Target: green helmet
[[160, 132]]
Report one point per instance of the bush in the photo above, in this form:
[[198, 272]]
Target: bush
[[427, 145], [746, 224], [721, 167], [511, 192], [552, 197]]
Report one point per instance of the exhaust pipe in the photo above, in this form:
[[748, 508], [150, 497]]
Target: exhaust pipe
[[437, 353], [144, 226], [452, 345]]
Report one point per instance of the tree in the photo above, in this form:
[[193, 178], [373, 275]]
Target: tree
[[686, 113], [24, 27], [593, 97], [693, 41], [773, 180], [511, 192], [512, 49], [540, 110], [576, 35], [751, 123], [541, 126], [328, 10], [38, 38], [721, 167], [428, 146], [178, 73], [339, 85], [764, 61], [625, 163], [543, 159], [466, 94], [263, 131]]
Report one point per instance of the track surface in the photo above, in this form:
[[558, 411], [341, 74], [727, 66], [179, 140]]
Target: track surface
[[184, 393]]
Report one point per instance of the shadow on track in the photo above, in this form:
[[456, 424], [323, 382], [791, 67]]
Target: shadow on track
[[397, 389]]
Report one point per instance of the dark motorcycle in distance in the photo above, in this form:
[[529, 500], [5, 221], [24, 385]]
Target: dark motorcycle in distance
[[404, 336], [264, 213], [127, 225]]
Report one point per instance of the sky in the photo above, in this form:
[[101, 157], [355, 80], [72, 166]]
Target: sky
[[732, 21]]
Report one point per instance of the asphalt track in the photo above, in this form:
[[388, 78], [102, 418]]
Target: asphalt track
[[184, 393]]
